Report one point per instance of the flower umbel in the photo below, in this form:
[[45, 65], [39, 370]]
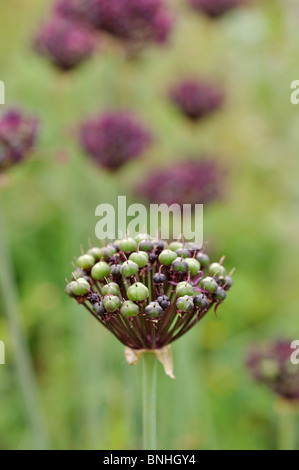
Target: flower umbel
[[190, 182], [66, 43], [17, 137], [271, 365], [147, 293], [196, 99], [113, 139], [215, 8]]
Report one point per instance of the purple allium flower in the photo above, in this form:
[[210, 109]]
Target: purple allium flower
[[17, 137], [66, 43], [71, 9], [271, 365], [113, 139], [146, 293], [196, 99], [138, 21], [215, 8], [188, 182]]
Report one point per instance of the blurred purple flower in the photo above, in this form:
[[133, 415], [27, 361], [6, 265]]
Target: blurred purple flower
[[138, 21], [188, 182], [17, 137], [271, 365], [66, 43], [215, 8], [196, 99], [113, 139], [72, 9]]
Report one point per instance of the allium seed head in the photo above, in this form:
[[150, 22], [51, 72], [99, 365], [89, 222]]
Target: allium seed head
[[189, 182], [150, 304], [113, 139], [215, 8], [18, 133], [196, 99], [64, 42], [270, 364]]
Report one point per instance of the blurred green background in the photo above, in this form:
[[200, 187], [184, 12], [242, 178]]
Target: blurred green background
[[89, 396]]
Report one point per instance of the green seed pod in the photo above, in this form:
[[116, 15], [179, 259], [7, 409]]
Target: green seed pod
[[183, 253], [153, 310], [128, 245], [111, 303], [183, 288], [203, 259], [85, 262], [185, 304], [173, 246], [146, 245], [100, 271], [129, 309], [140, 258], [111, 289], [209, 284], [201, 301], [220, 294], [78, 273], [217, 269], [81, 287], [179, 266], [193, 265], [106, 252], [129, 269], [69, 288], [167, 257], [95, 252], [137, 292]]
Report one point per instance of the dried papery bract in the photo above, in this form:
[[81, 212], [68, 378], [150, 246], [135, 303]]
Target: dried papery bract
[[18, 132], [114, 138]]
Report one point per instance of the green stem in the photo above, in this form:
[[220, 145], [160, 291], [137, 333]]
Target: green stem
[[287, 428], [149, 363], [10, 305]]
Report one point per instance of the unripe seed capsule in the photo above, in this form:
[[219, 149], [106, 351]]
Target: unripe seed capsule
[[183, 253], [203, 259], [137, 292], [140, 258], [153, 310], [100, 271], [209, 284], [183, 288], [85, 262], [185, 304], [167, 257], [128, 245], [99, 309], [193, 265], [173, 246], [159, 278], [146, 245], [220, 294], [179, 266], [116, 270], [129, 269], [111, 303], [69, 288], [95, 252], [110, 289], [129, 309], [201, 301], [217, 269], [80, 287]]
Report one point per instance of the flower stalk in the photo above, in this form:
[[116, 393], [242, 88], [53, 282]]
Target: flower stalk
[[149, 401]]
